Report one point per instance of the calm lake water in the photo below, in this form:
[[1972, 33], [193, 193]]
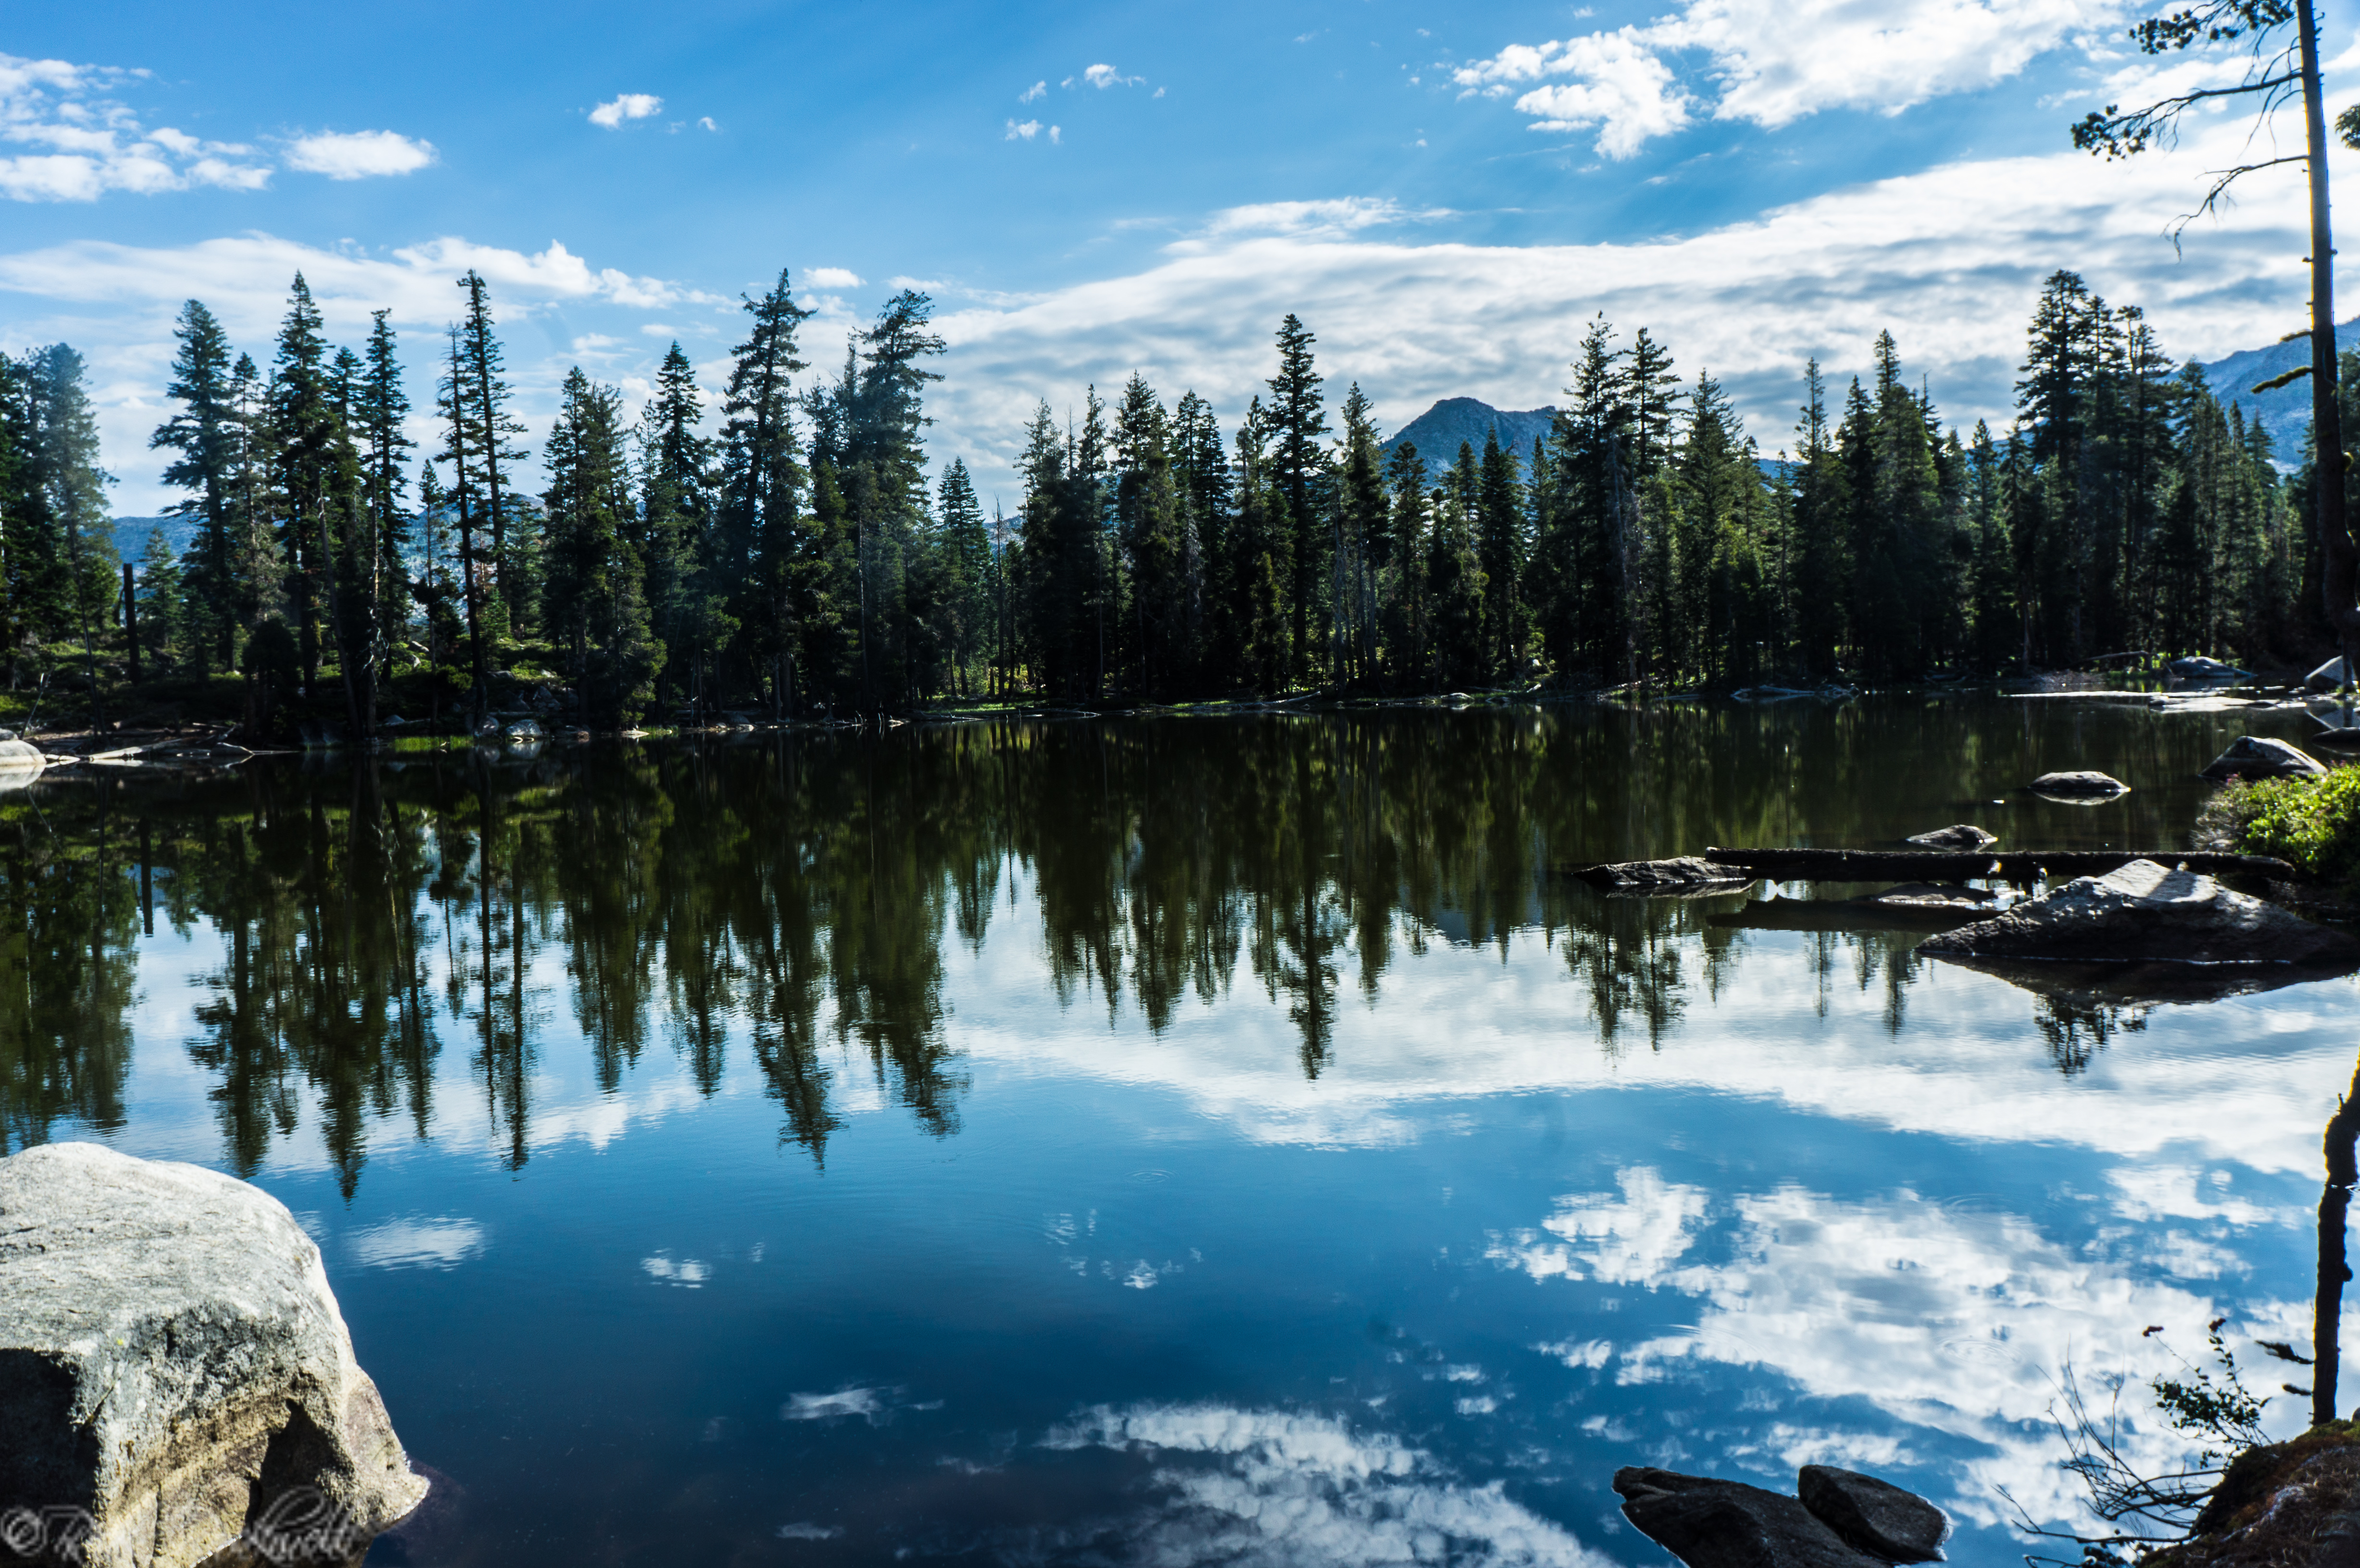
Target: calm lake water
[[1177, 1141]]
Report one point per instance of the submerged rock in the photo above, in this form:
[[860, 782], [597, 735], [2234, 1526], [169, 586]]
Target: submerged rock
[[2081, 786], [1931, 896], [175, 1378], [2252, 757], [2198, 668], [1710, 1523], [2147, 913], [1875, 1516], [1685, 874], [1958, 836]]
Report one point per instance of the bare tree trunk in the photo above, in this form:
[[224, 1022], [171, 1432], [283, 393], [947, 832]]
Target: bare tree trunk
[[2340, 560]]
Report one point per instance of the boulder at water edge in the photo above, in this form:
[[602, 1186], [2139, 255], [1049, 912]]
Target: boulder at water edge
[[2147, 913], [1710, 1523], [175, 1378], [1875, 1516], [2251, 757]]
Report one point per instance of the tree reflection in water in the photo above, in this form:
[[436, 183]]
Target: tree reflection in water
[[797, 894]]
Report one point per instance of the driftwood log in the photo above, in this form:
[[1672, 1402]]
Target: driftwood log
[[1941, 865]]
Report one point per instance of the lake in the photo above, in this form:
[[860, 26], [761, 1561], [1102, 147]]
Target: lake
[[1174, 1140]]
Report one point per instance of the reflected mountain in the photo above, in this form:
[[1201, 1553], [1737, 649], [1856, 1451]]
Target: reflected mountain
[[792, 901]]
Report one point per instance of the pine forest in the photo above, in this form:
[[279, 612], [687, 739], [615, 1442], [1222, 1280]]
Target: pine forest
[[768, 544]]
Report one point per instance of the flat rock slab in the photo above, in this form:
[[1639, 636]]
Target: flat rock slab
[[1958, 836], [1875, 1516], [2081, 786], [1709, 1523], [2148, 914], [2252, 757], [175, 1376]]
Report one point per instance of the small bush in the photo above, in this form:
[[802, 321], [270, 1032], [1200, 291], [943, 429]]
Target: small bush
[[2312, 822]]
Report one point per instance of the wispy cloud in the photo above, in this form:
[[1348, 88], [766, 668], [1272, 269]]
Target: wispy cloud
[[1023, 132], [1106, 76], [626, 106], [90, 142], [358, 155], [833, 277], [1038, 90], [1774, 67]]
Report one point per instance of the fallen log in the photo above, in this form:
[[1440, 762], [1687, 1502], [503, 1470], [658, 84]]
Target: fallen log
[[2010, 865]]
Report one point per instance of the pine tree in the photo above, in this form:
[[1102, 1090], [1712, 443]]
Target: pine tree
[[595, 605], [380, 414], [70, 491], [754, 548], [675, 513], [1298, 421], [480, 396], [204, 436], [1500, 553]]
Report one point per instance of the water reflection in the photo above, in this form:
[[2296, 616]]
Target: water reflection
[[798, 897]]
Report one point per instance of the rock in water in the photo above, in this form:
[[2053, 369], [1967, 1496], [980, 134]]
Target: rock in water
[[1709, 1523], [2251, 757], [1683, 875], [2083, 786], [1875, 1516], [2327, 677], [2145, 913], [174, 1374], [1960, 837]]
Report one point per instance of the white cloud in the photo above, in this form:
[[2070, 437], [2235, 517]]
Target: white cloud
[[1024, 132], [1106, 76], [1056, 134], [358, 155], [1038, 90], [1950, 259], [1273, 1486], [1952, 1320], [417, 1243], [626, 106], [92, 143], [706, 121], [1342, 216], [1775, 65], [833, 277]]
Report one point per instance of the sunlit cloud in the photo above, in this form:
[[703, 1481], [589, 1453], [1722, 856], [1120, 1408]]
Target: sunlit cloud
[[358, 155], [612, 114], [90, 142]]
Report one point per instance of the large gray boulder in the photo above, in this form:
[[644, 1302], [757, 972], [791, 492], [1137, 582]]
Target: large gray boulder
[[2327, 677], [2252, 757], [175, 1378], [19, 757], [2151, 914]]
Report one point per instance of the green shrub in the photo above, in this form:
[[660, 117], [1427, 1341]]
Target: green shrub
[[2312, 821]]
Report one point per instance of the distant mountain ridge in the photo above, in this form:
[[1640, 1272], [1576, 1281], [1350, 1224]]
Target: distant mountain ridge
[[2284, 411], [1438, 432]]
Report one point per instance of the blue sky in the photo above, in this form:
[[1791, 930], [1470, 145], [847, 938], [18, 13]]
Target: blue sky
[[1446, 196]]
